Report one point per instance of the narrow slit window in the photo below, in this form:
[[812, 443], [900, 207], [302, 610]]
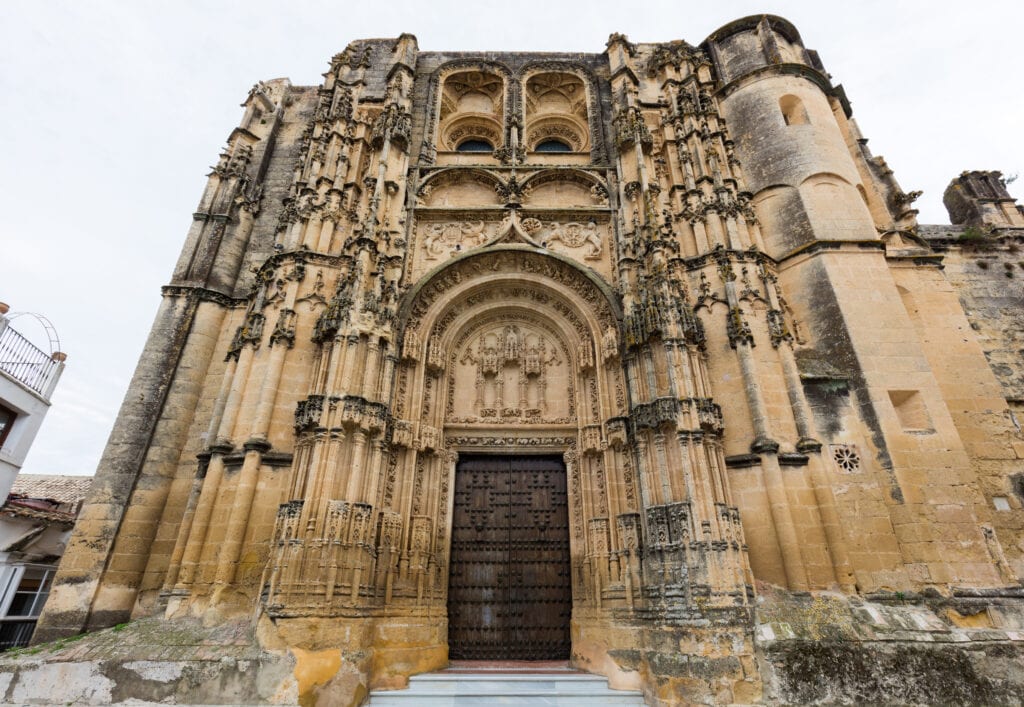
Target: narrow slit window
[[911, 411], [793, 111]]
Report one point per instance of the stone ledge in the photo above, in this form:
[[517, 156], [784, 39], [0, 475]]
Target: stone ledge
[[150, 661], [828, 648]]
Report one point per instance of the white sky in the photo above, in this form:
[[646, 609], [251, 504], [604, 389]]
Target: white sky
[[110, 114]]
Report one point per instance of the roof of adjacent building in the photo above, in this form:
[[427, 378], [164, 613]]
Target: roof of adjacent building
[[11, 510], [63, 489]]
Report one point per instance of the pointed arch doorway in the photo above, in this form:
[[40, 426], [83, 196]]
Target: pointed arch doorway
[[509, 588]]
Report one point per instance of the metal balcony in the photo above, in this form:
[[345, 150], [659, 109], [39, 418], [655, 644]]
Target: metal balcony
[[24, 362]]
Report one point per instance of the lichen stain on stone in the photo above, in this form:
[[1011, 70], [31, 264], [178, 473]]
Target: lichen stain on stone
[[812, 672], [820, 617], [626, 659]]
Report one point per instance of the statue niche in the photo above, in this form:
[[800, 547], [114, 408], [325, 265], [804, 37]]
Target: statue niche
[[518, 372]]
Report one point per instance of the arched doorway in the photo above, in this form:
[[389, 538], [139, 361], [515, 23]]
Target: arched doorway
[[513, 377]]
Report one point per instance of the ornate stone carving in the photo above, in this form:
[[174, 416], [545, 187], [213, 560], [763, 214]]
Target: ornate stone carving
[[738, 329], [401, 433], [630, 128], [251, 332], [508, 441], [846, 458], [284, 331], [777, 329], [394, 123], [510, 367], [315, 295], [590, 439], [495, 263], [445, 239], [576, 235], [429, 438]]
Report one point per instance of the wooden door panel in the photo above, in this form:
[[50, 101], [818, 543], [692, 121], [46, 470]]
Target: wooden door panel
[[509, 592], [478, 585]]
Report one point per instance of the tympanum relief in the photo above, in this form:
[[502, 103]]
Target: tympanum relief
[[517, 372]]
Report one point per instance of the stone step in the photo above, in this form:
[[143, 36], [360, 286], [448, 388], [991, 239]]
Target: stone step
[[481, 689]]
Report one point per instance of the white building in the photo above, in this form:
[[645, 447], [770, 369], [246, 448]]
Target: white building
[[38, 512], [28, 377], [35, 524]]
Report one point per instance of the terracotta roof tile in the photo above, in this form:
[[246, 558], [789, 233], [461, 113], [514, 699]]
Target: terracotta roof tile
[[65, 519], [63, 489]]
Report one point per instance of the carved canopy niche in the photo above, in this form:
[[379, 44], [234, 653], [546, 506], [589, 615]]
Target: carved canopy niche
[[472, 108], [556, 109]]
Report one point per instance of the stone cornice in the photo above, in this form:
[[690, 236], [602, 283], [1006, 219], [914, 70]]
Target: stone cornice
[[801, 70], [203, 294]]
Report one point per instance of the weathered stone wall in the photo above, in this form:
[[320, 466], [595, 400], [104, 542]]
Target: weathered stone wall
[[711, 302], [983, 279], [987, 273], [834, 650], [153, 661]]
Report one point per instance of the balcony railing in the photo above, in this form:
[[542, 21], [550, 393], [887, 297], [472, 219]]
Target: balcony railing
[[23, 361], [16, 633]]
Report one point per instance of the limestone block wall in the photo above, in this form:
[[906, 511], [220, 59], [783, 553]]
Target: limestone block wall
[[987, 277], [71, 608], [980, 294], [806, 180]]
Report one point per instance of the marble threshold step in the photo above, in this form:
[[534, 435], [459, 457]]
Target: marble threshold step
[[481, 684]]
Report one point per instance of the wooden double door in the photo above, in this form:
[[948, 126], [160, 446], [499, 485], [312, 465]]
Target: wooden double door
[[510, 584]]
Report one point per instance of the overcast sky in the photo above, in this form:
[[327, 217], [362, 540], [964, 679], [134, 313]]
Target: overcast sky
[[113, 111]]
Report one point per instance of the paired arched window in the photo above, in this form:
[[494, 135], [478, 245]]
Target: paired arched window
[[472, 112]]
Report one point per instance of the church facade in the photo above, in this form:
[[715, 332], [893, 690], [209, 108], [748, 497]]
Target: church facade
[[613, 358]]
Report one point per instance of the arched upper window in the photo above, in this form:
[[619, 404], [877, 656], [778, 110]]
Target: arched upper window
[[793, 111], [553, 146], [556, 113], [474, 146], [472, 111]]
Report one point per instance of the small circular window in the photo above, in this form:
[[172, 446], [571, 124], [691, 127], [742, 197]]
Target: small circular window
[[474, 146], [552, 146]]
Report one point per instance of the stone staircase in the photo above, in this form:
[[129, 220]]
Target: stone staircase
[[461, 686]]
